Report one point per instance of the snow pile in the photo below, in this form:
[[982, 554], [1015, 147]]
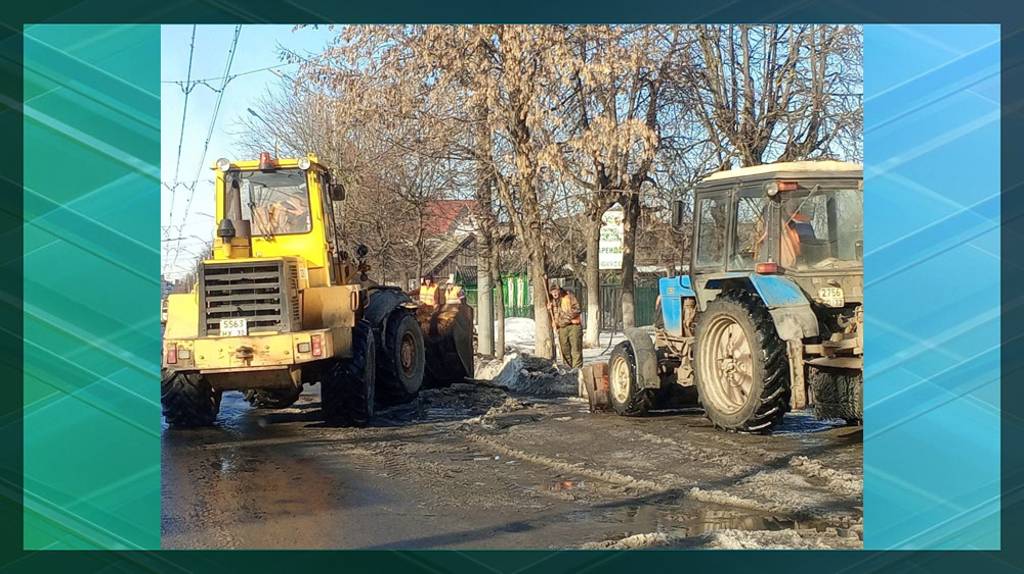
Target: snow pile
[[734, 539], [525, 374], [780, 539], [520, 334]]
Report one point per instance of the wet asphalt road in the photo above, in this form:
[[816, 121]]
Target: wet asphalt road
[[470, 467]]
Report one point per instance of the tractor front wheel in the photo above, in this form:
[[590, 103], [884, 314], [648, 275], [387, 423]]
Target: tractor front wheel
[[187, 399], [347, 388], [625, 394], [741, 368]]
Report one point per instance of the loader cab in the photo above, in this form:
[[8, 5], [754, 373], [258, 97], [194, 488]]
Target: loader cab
[[271, 208], [802, 220]]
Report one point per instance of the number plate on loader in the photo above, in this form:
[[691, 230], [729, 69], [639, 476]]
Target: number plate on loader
[[233, 328], [832, 296]]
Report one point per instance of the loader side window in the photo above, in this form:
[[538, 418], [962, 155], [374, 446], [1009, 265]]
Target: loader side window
[[277, 203], [711, 236]]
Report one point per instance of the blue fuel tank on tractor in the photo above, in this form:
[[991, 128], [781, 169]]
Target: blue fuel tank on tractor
[[672, 291]]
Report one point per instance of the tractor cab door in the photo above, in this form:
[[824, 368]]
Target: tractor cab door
[[752, 233], [711, 232]]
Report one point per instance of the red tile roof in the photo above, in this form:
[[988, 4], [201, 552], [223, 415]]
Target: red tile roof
[[442, 215]]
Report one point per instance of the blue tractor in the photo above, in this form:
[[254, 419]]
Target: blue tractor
[[770, 316]]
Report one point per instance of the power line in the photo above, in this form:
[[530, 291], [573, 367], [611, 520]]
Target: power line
[[181, 133], [189, 84], [206, 144]]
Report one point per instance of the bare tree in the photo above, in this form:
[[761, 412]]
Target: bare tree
[[777, 93]]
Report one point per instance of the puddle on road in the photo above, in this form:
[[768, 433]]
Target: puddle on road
[[681, 518]]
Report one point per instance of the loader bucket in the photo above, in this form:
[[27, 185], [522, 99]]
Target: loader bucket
[[448, 334]]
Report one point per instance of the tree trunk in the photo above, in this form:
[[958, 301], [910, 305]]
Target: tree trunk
[[630, 219], [499, 306], [484, 239], [592, 279], [543, 341], [484, 294]]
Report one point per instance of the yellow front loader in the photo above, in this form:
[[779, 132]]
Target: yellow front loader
[[280, 305]]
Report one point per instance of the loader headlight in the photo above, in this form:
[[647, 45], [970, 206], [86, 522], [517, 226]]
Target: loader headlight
[[223, 164], [303, 163]]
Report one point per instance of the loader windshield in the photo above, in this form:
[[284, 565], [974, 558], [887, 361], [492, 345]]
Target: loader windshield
[[277, 202], [823, 230]]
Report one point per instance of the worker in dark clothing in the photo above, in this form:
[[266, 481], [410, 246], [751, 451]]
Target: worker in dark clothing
[[565, 312]]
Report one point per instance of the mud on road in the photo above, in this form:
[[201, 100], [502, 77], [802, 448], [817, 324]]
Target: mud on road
[[472, 466]]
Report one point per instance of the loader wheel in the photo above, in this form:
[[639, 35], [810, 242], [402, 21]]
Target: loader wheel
[[402, 359], [741, 368], [188, 400], [272, 398], [626, 397], [838, 393], [347, 388]]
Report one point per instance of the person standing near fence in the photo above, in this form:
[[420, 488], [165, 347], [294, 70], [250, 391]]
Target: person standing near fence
[[565, 312]]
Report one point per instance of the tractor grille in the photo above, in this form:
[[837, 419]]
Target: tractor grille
[[266, 294]]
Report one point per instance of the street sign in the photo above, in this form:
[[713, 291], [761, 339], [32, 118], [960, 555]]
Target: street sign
[[610, 250]]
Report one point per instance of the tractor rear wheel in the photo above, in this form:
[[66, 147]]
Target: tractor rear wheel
[[838, 393], [741, 367], [272, 398], [187, 399], [624, 392], [402, 359], [347, 388]]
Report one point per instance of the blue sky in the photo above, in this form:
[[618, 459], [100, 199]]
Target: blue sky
[[257, 48]]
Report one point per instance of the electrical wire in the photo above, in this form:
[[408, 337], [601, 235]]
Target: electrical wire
[[181, 134], [209, 136]]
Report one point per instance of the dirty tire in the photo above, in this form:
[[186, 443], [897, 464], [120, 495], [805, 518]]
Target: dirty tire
[[347, 388], [624, 394], [188, 400], [742, 317], [272, 398], [402, 359], [838, 393]]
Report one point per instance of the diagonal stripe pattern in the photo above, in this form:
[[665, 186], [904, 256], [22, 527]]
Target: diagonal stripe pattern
[[91, 269], [932, 328]]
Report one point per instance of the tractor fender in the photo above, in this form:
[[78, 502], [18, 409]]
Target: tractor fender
[[382, 301], [646, 358], [790, 310]]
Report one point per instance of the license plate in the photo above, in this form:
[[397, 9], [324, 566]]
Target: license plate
[[233, 328], [831, 296]]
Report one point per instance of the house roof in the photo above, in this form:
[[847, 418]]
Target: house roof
[[442, 215]]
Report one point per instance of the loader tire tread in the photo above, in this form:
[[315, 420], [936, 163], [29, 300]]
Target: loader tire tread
[[391, 389], [187, 400], [347, 389]]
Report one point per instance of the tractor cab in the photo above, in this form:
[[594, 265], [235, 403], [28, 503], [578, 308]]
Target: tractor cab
[[770, 316], [800, 220]]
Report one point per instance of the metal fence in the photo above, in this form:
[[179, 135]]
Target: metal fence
[[518, 303]]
